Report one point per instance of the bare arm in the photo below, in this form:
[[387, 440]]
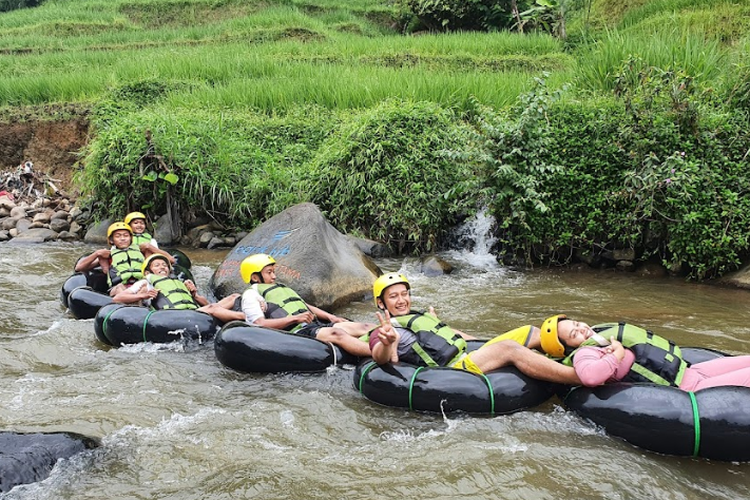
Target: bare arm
[[91, 261], [128, 296], [148, 249], [531, 363]]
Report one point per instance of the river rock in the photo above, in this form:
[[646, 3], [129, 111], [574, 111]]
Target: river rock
[[371, 248], [97, 233], [739, 278], [23, 225], [59, 225], [163, 231], [28, 458], [36, 235], [18, 212], [9, 223], [41, 217], [60, 214], [313, 258], [4, 235], [432, 265]]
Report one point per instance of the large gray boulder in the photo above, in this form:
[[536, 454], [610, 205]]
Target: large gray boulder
[[313, 258], [28, 458], [35, 235], [97, 233]]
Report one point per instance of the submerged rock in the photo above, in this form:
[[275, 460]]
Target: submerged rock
[[28, 458]]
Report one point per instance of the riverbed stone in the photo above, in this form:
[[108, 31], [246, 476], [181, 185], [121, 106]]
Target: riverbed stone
[[36, 235], [59, 225], [28, 458], [433, 265], [163, 231], [42, 217], [371, 248], [4, 236], [13, 232], [206, 238], [97, 233], [313, 258], [60, 214], [739, 278], [625, 265], [67, 236], [23, 225], [18, 212], [9, 223]]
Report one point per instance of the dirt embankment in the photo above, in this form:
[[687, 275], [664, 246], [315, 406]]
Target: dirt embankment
[[52, 146]]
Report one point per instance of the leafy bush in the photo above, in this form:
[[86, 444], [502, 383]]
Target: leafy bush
[[9, 5], [454, 15], [239, 168], [659, 169], [385, 173]]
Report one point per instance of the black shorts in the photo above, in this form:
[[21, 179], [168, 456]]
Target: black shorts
[[311, 329]]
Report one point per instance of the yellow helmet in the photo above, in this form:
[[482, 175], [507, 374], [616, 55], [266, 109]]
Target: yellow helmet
[[151, 258], [550, 342], [254, 264], [116, 227], [133, 215], [384, 282]]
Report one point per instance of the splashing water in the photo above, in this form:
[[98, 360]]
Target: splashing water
[[475, 239]]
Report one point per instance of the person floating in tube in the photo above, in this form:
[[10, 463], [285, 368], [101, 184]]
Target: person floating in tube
[[160, 290], [137, 223], [121, 263], [579, 354], [268, 303], [422, 339]]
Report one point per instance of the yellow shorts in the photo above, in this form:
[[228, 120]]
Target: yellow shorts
[[521, 335], [465, 363]]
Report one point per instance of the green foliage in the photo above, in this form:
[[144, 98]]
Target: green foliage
[[239, 168], [8, 5], [385, 173], [513, 147], [454, 15], [660, 169]]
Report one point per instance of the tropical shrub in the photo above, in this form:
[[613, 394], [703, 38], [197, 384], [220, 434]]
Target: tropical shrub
[[386, 174]]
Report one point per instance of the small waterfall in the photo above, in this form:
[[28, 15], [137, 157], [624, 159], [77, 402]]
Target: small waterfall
[[475, 239]]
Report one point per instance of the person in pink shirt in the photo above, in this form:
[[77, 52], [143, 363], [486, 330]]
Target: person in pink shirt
[[622, 352]]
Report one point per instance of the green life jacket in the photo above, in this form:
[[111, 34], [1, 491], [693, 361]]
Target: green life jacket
[[437, 344], [141, 238], [281, 301], [173, 294], [657, 360], [125, 266]]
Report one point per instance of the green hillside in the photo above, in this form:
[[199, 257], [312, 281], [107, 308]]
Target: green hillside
[[627, 132]]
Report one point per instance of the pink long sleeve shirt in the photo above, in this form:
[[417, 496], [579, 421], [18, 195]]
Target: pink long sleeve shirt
[[595, 367]]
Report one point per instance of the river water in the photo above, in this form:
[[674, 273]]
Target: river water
[[176, 424]]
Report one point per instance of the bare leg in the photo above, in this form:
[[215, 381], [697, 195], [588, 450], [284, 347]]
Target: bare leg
[[228, 302], [221, 313], [355, 329], [344, 340], [533, 364]]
